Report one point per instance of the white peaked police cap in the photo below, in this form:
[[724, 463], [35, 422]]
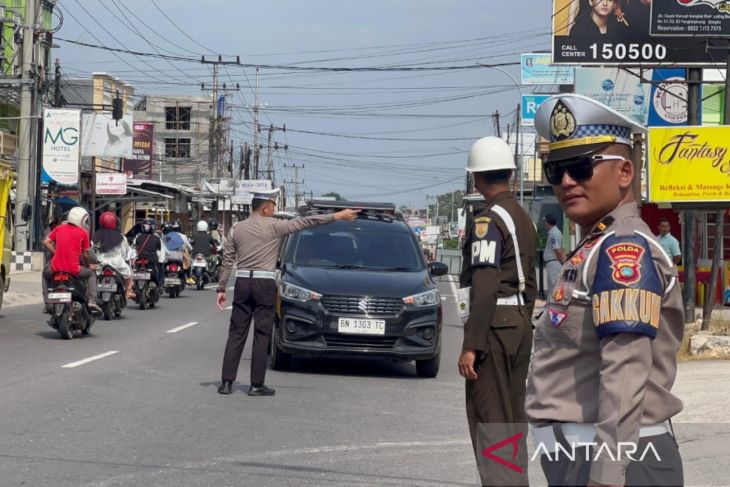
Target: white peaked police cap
[[576, 125], [266, 194]]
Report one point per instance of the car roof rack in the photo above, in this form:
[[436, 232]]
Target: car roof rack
[[371, 211]]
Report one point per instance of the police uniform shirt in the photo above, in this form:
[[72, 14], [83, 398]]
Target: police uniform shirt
[[605, 350], [494, 269], [554, 241], [253, 244]]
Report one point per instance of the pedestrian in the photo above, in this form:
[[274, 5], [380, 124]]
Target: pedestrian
[[604, 359], [498, 332], [668, 242], [250, 251], [553, 256]]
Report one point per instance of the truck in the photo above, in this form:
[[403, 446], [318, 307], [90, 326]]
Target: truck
[[6, 228]]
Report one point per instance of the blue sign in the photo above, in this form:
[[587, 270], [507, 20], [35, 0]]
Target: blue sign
[[530, 104], [536, 69], [669, 96]]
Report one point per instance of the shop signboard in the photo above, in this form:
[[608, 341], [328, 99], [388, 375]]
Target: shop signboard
[[689, 164]]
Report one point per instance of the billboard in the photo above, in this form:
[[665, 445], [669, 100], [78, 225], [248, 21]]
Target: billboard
[[669, 94], [530, 104], [536, 69], [111, 183], [617, 33], [139, 166], [690, 18], [245, 187], [61, 146], [617, 89], [689, 164], [218, 186], [102, 136]]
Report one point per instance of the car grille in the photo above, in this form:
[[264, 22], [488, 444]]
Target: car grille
[[362, 305], [376, 343]]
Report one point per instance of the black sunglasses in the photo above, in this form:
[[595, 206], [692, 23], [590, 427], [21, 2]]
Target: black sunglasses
[[579, 168]]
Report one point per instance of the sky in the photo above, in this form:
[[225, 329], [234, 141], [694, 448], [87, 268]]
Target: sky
[[395, 136]]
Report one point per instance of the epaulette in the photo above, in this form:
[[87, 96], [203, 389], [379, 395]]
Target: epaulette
[[597, 232]]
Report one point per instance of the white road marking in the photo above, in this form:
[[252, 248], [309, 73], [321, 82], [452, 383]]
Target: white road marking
[[454, 291], [230, 288], [180, 328], [211, 286], [90, 359]]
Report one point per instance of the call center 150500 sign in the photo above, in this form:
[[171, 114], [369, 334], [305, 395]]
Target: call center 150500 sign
[[616, 32]]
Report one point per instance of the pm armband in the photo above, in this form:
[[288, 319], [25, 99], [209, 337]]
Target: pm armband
[[627, 291]]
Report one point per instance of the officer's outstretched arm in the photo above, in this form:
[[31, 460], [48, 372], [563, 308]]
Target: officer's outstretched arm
[[626, 295]]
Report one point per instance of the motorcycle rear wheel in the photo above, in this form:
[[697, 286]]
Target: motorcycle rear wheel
[[64, 327]]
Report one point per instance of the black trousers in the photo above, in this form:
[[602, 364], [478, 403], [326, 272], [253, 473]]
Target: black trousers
[[495, 400], [650, 472], [252, 298]]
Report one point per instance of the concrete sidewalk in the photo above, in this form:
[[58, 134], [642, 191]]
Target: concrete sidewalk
[[25, 289]]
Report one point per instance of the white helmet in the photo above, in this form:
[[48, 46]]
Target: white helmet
[[80, 217], [202, 226], [490, 154]]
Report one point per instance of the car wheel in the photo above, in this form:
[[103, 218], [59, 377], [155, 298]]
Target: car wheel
[[279, 360], [429, 368]]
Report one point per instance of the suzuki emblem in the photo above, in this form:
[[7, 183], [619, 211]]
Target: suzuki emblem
[[363, 304]]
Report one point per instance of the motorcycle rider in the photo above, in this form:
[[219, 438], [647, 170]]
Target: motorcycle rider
[[69, 246], [204, 244], [113, 250], [147, 244], [215, 233], [176, 241]]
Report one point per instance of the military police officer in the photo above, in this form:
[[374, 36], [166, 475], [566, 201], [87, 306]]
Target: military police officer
[[498, 333], [250, 251], [605, 351]]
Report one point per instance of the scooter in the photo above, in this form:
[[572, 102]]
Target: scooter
[[70, 310], [111, 295], [144, 287], [205, 270], [174, 278]]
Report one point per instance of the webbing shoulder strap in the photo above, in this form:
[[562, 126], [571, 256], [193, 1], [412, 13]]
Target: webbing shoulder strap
[[507, 219]]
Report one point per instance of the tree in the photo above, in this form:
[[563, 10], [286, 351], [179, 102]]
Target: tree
[[332, 194]]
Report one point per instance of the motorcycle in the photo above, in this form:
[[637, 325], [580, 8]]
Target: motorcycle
[[174, 278], [70, 311], [205, 270], [144, 287], [111, 295]]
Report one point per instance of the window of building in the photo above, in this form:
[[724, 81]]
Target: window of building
[[177, 148], [177, 118]]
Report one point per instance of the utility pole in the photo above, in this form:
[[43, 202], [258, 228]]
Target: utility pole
[[296, 182], [217, 145], [518, 158], [690, 216], [57, 97], [24, 191], [213, 166], [497, 128], [256, 128], [271, 146]]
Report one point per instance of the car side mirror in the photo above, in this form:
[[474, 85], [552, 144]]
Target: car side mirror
[[438, 269]]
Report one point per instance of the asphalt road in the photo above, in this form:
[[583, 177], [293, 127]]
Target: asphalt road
[[149, 414]]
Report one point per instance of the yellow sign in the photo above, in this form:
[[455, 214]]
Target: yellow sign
[[689, 164]]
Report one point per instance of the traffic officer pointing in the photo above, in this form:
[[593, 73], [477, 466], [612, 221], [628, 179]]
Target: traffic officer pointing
[[251, 250], [498, 333], [604, 359]]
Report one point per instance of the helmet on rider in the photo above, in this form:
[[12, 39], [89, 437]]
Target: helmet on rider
[[213, 225], [148, 225], [109, 221], [490, 154], [79, 217], [176, 225], [202, 226], [166, 228]]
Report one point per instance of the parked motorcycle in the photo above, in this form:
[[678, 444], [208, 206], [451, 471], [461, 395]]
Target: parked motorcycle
[[70, 313], [205, 270], [174, 278], [144, 287], [111, 294]]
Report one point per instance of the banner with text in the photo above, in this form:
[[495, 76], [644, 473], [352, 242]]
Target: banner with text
[[689, 164], [669, 95], [690, 18], [617, 89], [536, 69], [139, 166], [245, 188], [617, 33], [530, 104], [111, 183], [61, 146]]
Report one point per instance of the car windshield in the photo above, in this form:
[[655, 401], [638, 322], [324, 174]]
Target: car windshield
[[356, 247]]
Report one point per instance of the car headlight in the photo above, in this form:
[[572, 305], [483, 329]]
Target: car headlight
[[429, 298], [297, 293]]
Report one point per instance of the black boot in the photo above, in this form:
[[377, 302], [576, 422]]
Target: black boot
[[261, 390], [226, 387]]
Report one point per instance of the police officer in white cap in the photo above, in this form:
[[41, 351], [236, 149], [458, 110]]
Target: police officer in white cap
[[604, 360], [250, 251], [498, 333]]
